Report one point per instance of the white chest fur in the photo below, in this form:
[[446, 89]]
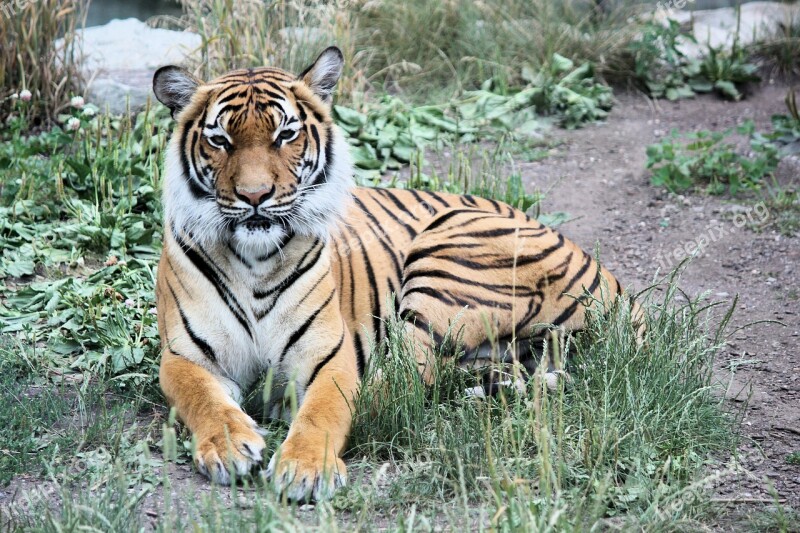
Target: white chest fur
[[246, 309]]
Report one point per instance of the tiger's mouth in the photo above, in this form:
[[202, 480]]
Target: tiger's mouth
[[256, 222]]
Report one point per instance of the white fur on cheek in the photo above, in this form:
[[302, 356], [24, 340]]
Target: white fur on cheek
[[181, 209], [327, 203]]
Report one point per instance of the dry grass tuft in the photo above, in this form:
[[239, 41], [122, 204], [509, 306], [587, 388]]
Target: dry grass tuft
[[30, 60], [287, 34]]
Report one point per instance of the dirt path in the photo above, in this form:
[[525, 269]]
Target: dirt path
[[599, 177]]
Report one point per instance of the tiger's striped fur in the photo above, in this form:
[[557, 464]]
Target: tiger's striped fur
[[272, 260]]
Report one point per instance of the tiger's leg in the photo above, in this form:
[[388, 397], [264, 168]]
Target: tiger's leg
[[227, 440], [308, 462], [495, 360]]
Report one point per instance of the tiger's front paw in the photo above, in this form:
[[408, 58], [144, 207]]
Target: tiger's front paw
[[306, 472], [232, 446]]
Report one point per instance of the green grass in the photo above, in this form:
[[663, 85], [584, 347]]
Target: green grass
[[631, 441], [415, 49]]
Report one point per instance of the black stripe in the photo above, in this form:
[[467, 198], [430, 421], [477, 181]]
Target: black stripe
[[232, 109], [315, 135], [388, 247], [460, 300], [325, 361], [501, 232], [374, 297], [204, 347], [273, 95], [506, 262], [430, 209], [569, 311], [409, 229], [497, 208], [341, 259], [208, 272], [468, 200], [295, 337], [194, 187], [241, 259], [230, 96], [329, 156], [308, 293], [433, 293], [369, 214], [351, 269], [271, 84], [289, 280], [302, 109], [422, 253], [179, 278], [506, 290], [278, 247], [360, 360], [438, 198], [421, 324], [447, 216], [400, 205], [579, 275]]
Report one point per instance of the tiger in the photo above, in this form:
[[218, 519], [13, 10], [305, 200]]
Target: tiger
[[274, 261]]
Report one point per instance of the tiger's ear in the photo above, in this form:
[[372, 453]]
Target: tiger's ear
[[174, 87], [323, 74]]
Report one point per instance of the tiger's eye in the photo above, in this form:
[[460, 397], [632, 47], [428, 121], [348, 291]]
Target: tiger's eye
[[285, 135], [220, 142]]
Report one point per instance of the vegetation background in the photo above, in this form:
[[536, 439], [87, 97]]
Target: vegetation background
[[446, 96]]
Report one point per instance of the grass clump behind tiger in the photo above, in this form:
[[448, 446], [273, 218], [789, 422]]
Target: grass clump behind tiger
[[631, 434]]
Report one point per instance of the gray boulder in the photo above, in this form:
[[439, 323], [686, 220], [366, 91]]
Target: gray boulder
[[718, 27], [119, 59]]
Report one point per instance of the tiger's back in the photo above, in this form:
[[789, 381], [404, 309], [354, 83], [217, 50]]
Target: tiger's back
[[446, 255]]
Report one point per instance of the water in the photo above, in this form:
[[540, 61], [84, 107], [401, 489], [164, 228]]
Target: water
[[102, 11]]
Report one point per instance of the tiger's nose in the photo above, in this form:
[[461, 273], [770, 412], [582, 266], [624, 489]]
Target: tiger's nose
[[255, 197]]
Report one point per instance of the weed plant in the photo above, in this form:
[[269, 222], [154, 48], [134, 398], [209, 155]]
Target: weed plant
[[704, 158], [778, 53], [663, 69]]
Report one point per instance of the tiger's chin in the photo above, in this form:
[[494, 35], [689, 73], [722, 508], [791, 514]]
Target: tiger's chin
[[258, 239]]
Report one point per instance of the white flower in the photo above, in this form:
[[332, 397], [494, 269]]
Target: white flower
[[14, 96], [25, 95], [129, 303], [73, 124], [88, 112], [77, 102], [152, 311]]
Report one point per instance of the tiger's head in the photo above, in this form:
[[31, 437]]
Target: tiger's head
[[255, 156]]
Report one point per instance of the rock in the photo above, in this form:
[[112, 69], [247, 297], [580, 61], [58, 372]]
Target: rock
[[717, 27], [121, 56]]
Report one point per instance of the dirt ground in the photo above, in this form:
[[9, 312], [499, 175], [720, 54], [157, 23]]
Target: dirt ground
[[598, 176]]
